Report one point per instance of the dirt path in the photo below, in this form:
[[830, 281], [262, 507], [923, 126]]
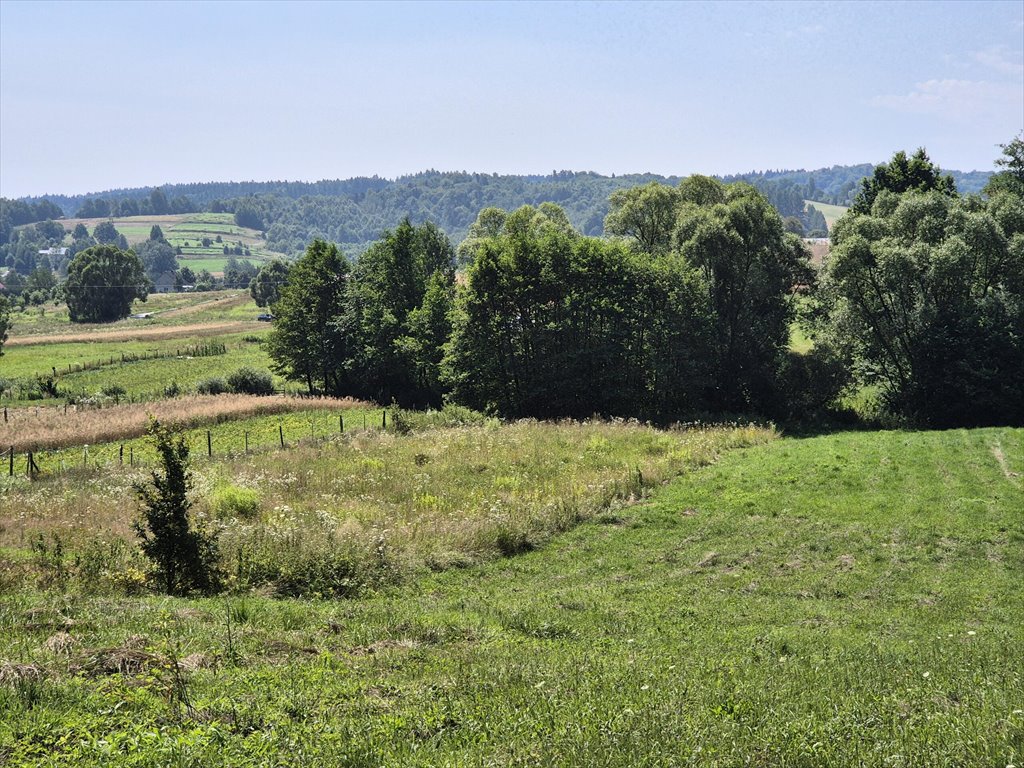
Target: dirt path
[[997, 451]]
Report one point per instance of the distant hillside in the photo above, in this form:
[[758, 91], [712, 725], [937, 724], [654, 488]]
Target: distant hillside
[[353, 212]]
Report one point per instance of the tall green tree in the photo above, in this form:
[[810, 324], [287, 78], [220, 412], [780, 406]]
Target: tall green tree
[[265, 287], [396, 339], [105, 233], [307, 342], [927, 293], [552, 324], [157, 257], [647, 214], [749, 267], [1011, 177], [102, 283], [902, 174]]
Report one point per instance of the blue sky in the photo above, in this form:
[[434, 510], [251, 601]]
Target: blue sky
[[95, 96]]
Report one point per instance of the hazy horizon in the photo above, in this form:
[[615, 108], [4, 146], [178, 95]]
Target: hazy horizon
[[144, 95]]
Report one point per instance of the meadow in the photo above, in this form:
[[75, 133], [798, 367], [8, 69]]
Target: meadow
[[851, 599], [187, 338], [832, 213], [187, 232]]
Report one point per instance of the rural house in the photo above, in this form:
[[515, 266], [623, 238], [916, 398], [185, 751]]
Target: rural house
[[165, 283]]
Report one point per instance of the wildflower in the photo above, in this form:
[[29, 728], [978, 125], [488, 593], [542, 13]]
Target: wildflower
[[926, 674], [971, 632], [644, 687]]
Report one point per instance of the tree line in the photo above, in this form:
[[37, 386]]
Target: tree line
[[685, 309]]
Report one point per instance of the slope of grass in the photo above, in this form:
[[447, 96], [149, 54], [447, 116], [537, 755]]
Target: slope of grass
[[835, 601], [832, 213]]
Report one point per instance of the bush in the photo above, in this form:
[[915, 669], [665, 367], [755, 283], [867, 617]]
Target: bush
[[234, 501], [212, 386], [249, 381]]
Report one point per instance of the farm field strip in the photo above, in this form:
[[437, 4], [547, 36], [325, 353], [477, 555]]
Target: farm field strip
[[69, 358], [140, 332], [53, 320], [35, 429]]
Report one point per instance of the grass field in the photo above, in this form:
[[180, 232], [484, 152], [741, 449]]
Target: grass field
[[832, 213], [834, 601], [134, 228], [88, 357], [39, 324], [187, 228]]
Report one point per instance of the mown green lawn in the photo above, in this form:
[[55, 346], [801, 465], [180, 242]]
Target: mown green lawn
[[834, 601]]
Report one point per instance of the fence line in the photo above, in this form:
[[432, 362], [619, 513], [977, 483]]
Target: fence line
[[33, 471]]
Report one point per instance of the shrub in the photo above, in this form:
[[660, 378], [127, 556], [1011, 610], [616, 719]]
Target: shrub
[[114, 390], [234, 501], [212, 386], [249, 381], [172, 390], [184, 555]]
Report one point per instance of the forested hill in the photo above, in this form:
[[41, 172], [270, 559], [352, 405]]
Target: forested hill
[[354, 212]]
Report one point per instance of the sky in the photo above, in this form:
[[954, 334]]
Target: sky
[[102, 95]]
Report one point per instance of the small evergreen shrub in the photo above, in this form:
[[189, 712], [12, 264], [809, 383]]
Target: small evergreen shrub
[[184, 556]]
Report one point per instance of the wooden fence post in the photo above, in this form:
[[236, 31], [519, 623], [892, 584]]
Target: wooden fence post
[[383, 419], [341, 424], [280, 434], [120, 455], [209, 444]]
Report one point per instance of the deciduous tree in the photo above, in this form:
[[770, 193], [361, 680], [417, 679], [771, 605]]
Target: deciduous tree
[[307, 342], [102, 283]]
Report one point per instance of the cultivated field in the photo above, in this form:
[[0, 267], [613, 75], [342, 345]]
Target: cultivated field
[[187, 231]]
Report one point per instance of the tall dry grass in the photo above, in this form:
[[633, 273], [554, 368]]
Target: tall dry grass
[[34, 429]]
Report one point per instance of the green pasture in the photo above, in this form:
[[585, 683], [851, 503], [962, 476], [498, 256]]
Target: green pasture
[[832, 213], [211, 218], [848, 600], [148, 378], [32, 359]]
